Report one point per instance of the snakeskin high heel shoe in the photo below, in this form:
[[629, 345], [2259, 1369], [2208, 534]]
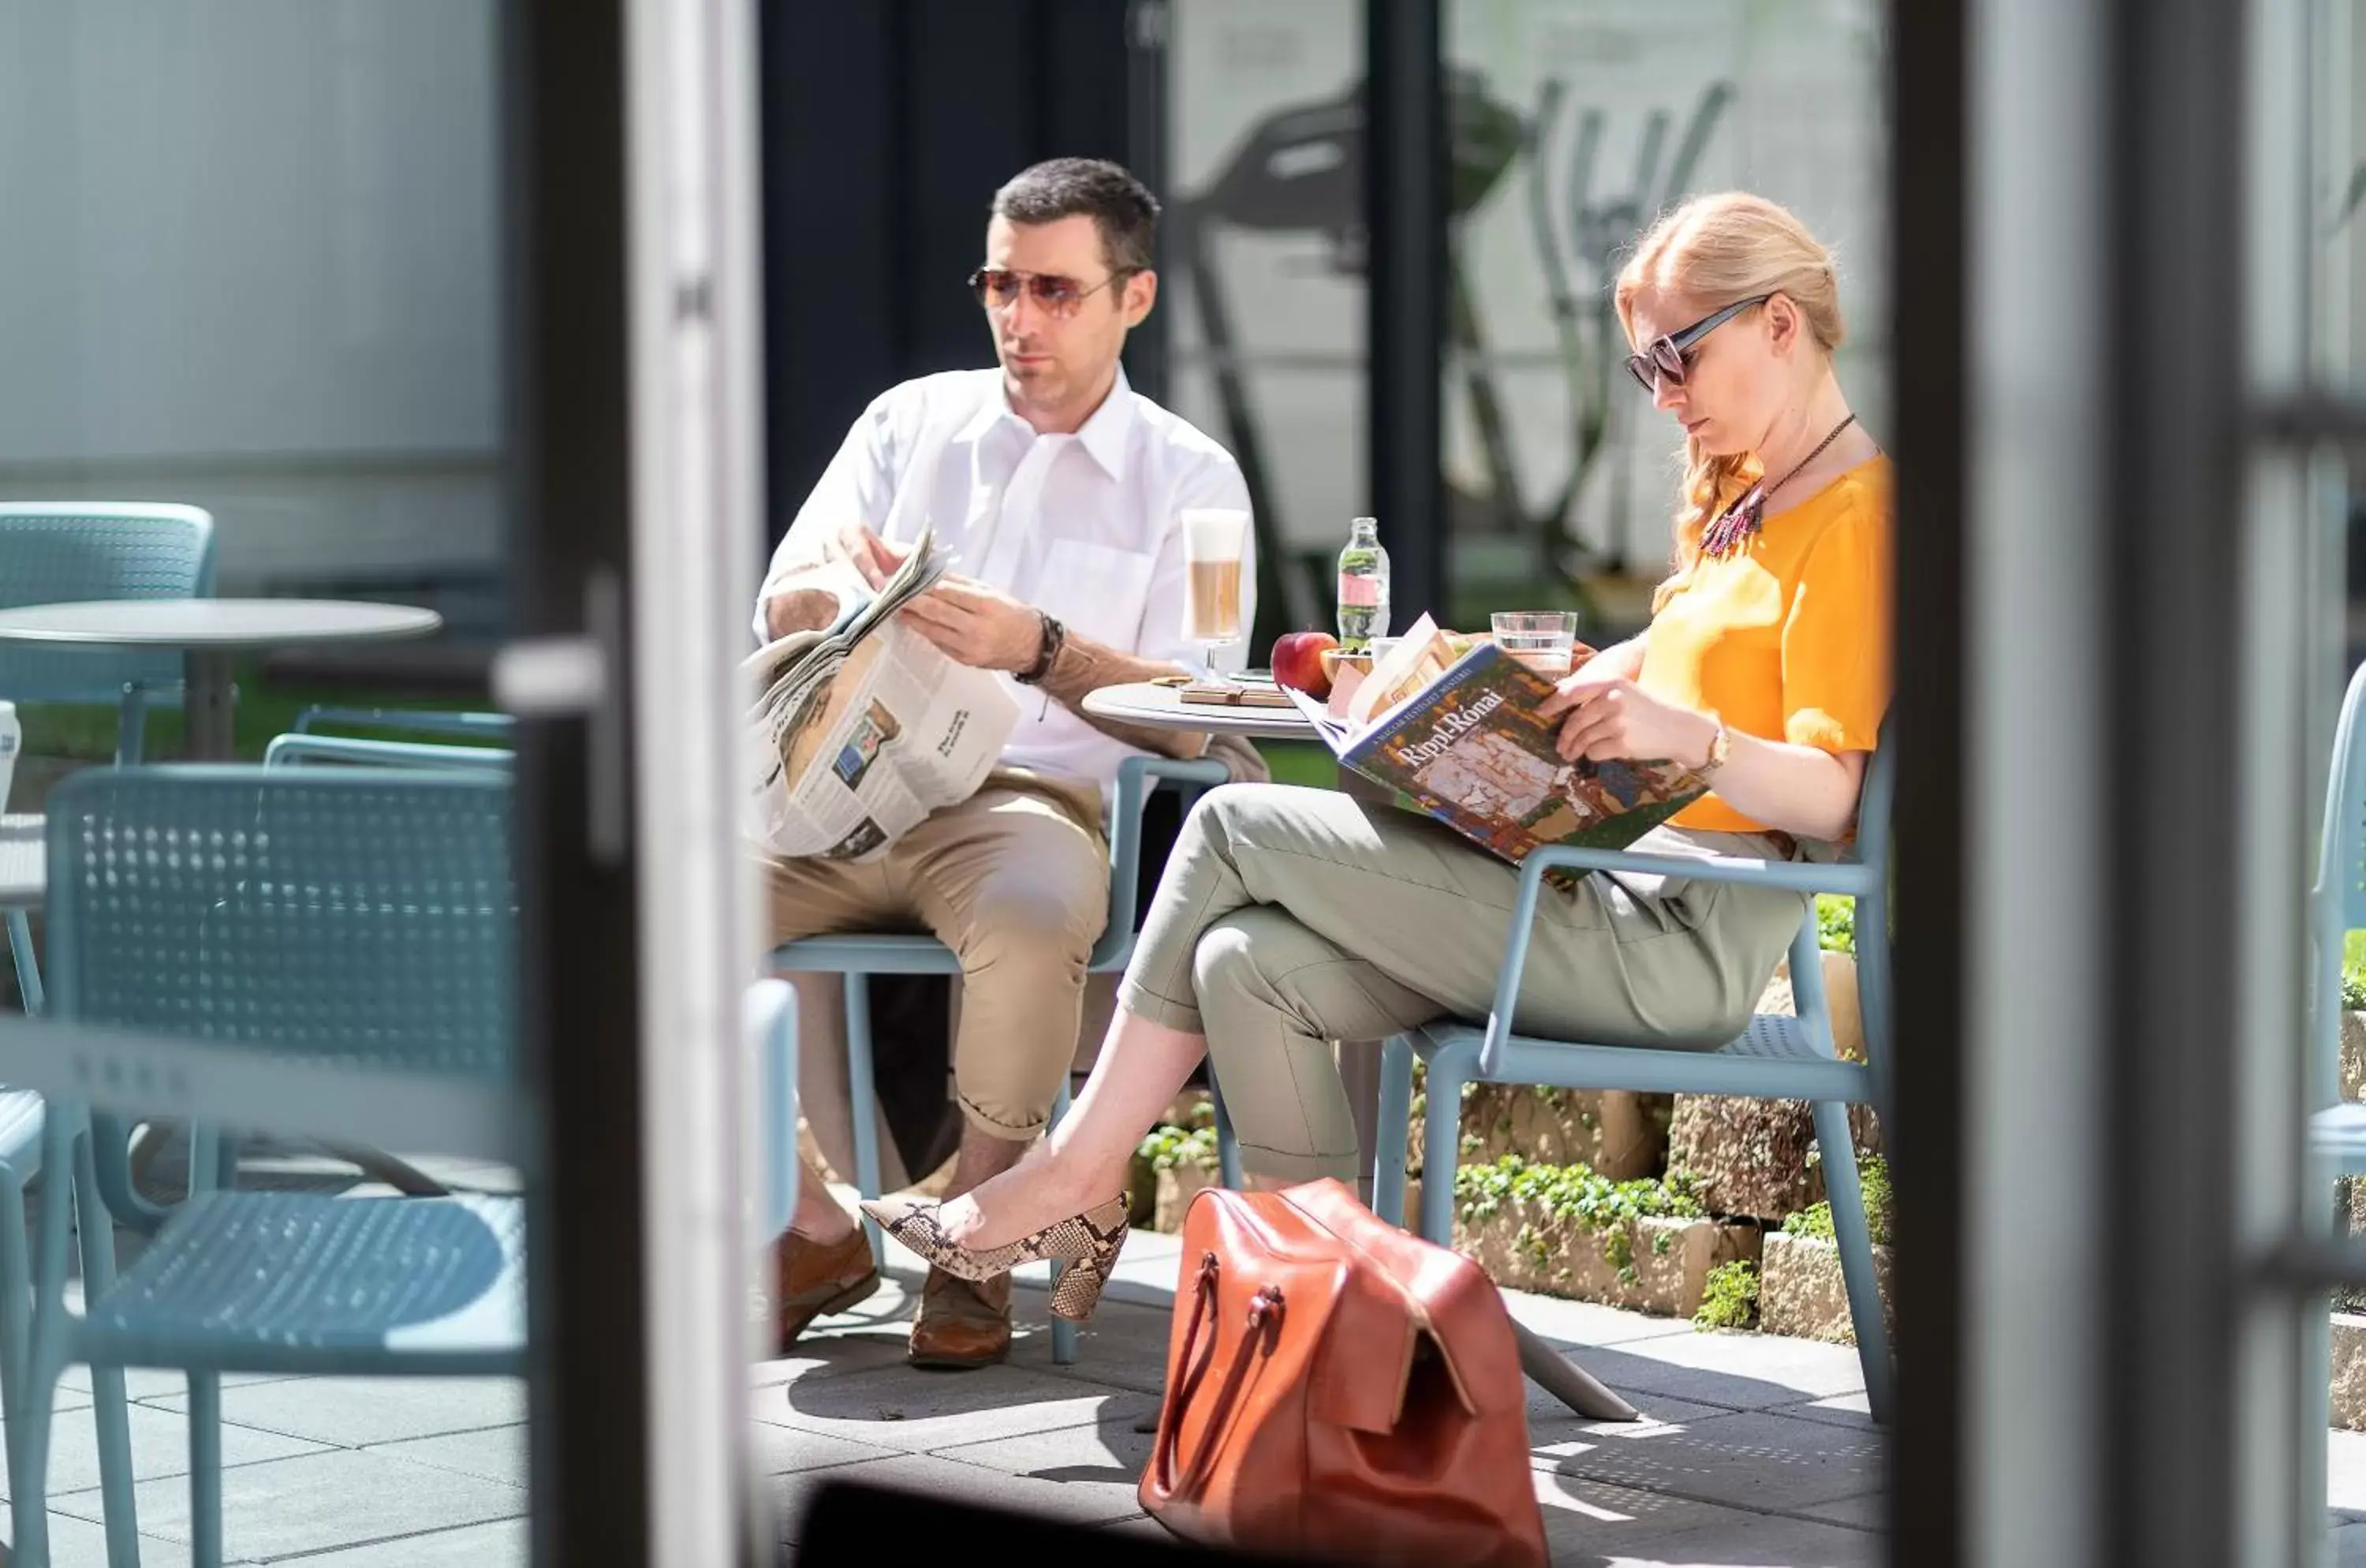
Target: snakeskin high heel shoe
[[1087, 1243]]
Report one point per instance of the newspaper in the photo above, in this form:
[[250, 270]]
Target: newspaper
[[859, 731]]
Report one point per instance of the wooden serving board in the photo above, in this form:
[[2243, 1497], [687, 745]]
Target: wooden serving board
[[1234, 696]]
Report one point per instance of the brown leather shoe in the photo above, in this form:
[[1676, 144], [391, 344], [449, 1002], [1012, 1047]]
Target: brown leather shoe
[[960, 1326], [812, 1278]]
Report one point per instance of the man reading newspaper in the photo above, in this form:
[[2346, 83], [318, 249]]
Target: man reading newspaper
[[863, 729], [1053, 491]]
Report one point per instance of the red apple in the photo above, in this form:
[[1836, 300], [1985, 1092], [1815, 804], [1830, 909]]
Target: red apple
[[1297, 661]]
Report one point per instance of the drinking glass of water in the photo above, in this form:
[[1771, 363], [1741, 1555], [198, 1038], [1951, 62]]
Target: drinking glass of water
[[1544, 640], [1214, 539]]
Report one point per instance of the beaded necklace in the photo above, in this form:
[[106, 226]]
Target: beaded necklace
[[1736, 525]]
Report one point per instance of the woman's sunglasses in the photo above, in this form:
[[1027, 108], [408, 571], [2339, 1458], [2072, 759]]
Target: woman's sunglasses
[[997, 288], [1668, 359]]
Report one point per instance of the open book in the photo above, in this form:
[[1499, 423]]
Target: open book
[[1455, 734], [861, 730]]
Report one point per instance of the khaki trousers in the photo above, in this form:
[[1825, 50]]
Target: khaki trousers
[[1015, 880], [1291, 918]]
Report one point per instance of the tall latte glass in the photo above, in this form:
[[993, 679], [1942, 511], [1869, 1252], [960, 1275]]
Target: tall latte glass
[[1213, 542]]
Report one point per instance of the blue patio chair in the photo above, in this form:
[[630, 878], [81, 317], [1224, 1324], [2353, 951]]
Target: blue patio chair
[[857, 956], [2337, 1129], [53, 552], [351, 937], [2338, 906], [771, 1022], [114, 1159], [424, 721], [1778, 1057], [354, 918], [298, 749]]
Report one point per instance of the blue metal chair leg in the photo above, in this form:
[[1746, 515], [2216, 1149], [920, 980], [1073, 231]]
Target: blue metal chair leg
[[29, 1461], [95, 1232], [1393, 1129], [131, 729], [16, 1295], [205, 1470], [863, 1104], [29, 1438], [28, 966], [2317, 1375], [15, 1309], [1064, 1333], [1441, 1152], [205, 1159], [2317, 1217], [783, 1171], [1855, 1242]]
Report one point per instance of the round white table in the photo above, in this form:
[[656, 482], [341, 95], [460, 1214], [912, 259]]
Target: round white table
[[210, 632], [1161, 706], [1158, 706]]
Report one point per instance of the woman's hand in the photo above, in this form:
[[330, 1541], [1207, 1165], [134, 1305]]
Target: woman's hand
[[1610, 717]]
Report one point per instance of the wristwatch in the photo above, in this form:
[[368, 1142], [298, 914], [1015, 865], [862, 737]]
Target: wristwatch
[[1720, 745], [1054, 637]]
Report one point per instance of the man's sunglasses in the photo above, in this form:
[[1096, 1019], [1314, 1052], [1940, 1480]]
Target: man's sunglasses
[[997, 287], [1668, 359]]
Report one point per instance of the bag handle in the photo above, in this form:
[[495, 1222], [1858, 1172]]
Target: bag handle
[[1265, 1310]]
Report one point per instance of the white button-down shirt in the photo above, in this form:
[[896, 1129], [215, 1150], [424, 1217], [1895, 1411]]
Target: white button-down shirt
[[1086, 527]]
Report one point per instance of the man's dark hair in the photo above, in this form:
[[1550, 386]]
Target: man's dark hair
[[1120, 207]]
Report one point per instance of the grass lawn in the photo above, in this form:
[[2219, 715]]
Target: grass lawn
[[1301, 763], [263, 710]]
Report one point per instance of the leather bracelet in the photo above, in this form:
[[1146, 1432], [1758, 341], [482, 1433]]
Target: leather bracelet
[[1055, 637]]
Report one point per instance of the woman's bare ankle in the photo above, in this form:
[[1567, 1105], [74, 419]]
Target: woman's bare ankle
[[826, 1225], [1023, 1201]]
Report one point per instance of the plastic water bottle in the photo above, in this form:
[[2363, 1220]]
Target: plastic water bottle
[[1363, 587], [12, 737]]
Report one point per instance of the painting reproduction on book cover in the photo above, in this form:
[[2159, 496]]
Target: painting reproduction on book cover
[[1470, 749]]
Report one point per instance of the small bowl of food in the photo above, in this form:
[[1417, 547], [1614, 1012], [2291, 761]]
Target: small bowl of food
[[1336, 660]]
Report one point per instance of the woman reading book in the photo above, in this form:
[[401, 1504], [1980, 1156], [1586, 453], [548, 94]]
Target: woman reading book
[[1291, 918]]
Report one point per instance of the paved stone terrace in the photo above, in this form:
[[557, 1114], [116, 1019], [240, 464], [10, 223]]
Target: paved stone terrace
[[1756, 1450]]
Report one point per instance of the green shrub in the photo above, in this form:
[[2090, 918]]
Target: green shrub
[[1836, 923], [1577, 1194], [1167, 1146], [1873, 1175], [1730, 1299]]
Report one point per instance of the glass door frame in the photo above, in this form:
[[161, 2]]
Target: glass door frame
[[636, 408]]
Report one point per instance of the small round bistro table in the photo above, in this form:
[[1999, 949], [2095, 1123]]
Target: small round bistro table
[[210, 633], [1160, 706]]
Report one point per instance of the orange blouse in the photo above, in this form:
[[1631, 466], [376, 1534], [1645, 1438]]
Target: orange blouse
[[1787, 638]]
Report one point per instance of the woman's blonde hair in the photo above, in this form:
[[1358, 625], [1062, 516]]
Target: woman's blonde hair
[[1713, 250]]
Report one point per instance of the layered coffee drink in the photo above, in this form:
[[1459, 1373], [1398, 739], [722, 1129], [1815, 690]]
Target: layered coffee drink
[[1215, 540], [1212, 600]]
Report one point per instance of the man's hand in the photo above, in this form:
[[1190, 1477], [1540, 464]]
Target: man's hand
[[799, 609], [977, 625], [791, 608], [1611, 717], [873, 556]]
